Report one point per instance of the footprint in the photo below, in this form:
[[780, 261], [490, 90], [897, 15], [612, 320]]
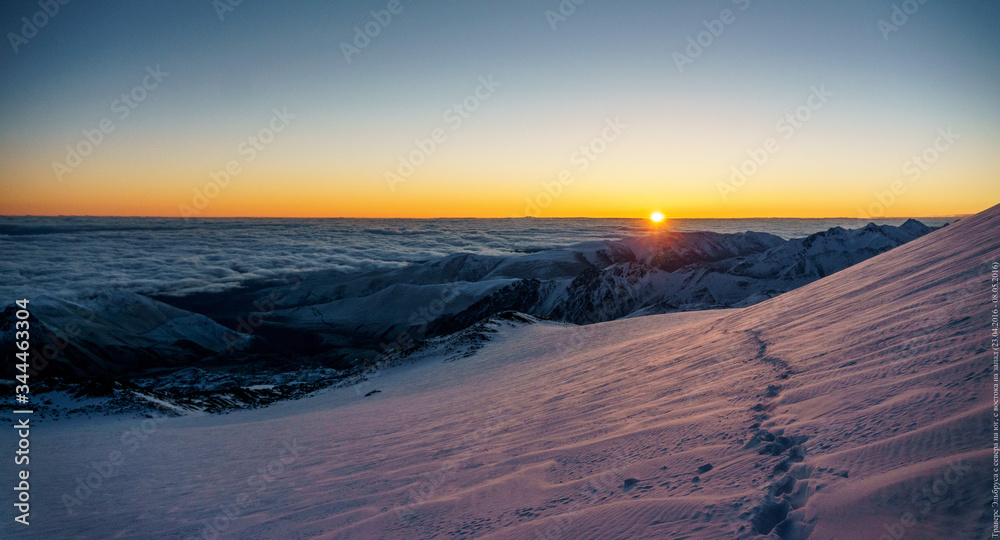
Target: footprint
[[780, 512]]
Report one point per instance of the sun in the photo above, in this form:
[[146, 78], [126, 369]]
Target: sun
[[657, 217]]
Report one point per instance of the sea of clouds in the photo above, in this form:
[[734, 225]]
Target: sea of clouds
[[76, 257]]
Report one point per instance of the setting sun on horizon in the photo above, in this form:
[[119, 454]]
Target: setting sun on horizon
[[190, 113], [643, 269]]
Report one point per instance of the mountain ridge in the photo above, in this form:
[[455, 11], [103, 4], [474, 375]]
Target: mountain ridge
[[329, 325]]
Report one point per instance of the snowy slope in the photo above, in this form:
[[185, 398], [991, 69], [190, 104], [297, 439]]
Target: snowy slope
[[854, 407], [341, 321], [117, 333]]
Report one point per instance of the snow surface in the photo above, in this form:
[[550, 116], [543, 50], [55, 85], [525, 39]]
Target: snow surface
[[842, 409], [342, 321]]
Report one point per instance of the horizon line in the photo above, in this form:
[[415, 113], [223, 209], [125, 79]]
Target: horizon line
[[206, 218]]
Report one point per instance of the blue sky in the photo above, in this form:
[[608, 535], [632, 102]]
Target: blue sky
[[558, 86]]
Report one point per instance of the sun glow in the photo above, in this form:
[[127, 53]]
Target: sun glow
[[657, 217]]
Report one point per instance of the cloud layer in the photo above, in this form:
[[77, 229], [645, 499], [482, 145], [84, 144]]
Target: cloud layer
[[72, 257]]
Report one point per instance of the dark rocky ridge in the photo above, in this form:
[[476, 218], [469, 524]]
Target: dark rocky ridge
[[343, 322]]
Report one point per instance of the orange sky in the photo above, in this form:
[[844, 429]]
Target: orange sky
[[821, 111]]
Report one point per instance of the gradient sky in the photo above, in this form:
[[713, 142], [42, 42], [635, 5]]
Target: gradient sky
[[558, 89]]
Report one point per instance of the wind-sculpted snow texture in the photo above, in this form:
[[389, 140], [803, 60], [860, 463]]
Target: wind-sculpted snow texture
[[856, 406], [339, 321], [326, 328]]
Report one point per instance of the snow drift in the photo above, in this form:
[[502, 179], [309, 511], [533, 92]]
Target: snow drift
[[333, 320], [858, 406]]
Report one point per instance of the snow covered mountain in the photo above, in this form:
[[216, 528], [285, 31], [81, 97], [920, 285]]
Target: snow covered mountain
[[325, 326], [118, 333], [857, 406], [590, 282], [685, 272]]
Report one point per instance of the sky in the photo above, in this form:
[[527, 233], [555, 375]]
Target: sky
[[722, 108]]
